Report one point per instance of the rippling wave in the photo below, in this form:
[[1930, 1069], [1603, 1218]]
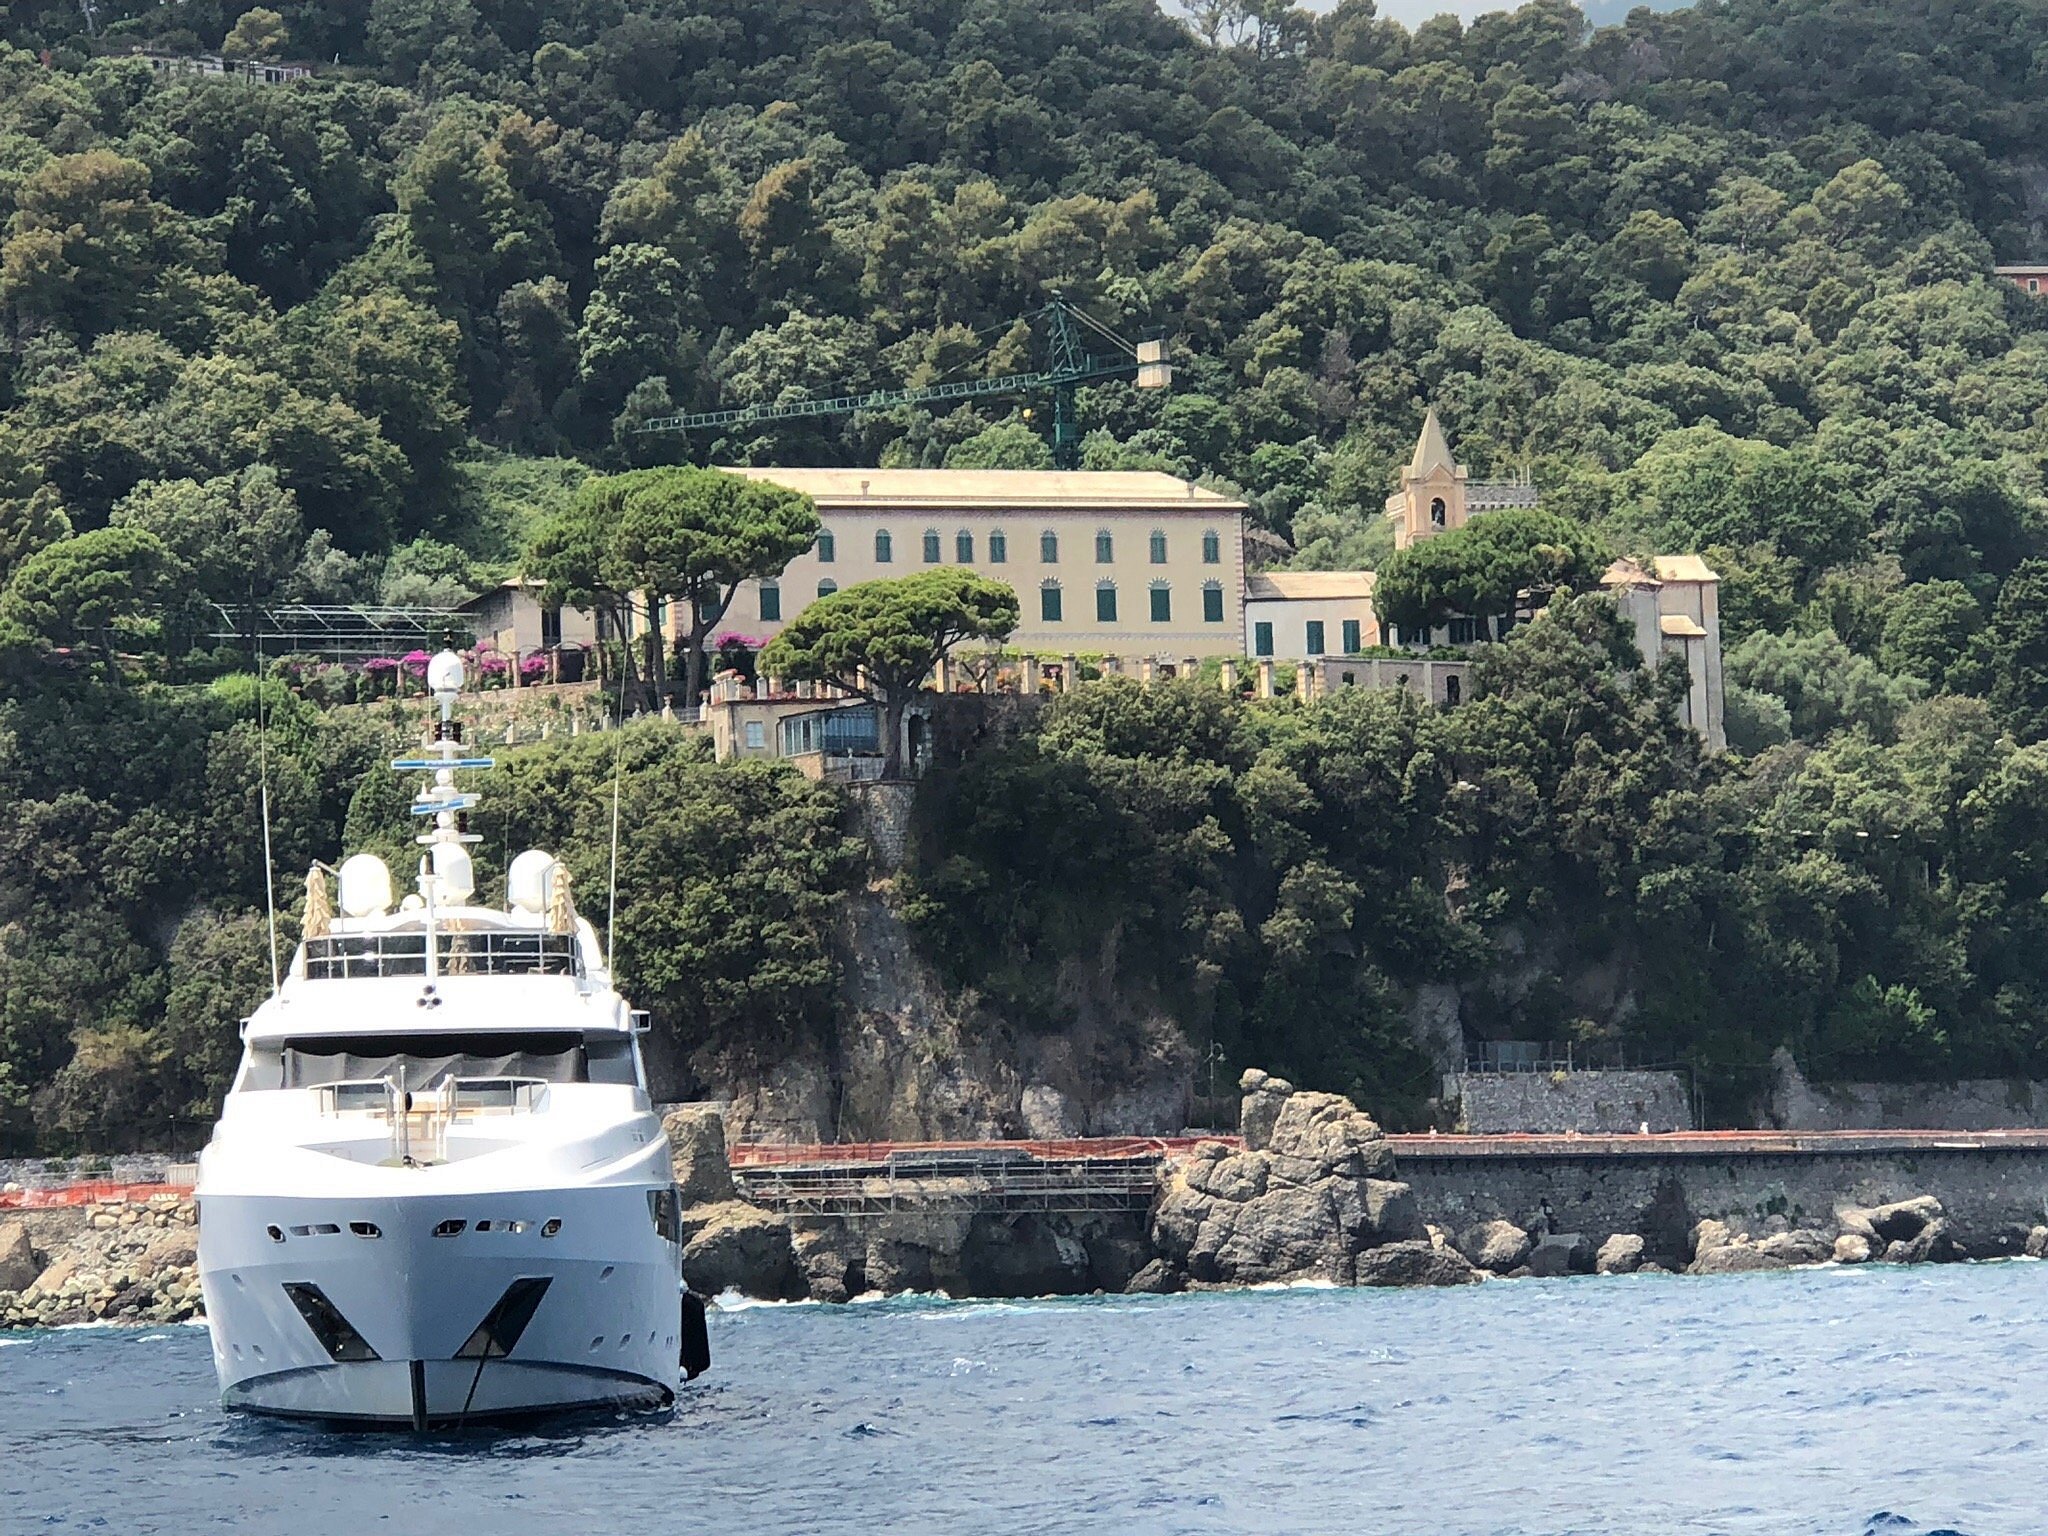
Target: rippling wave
[[1872, 1402]]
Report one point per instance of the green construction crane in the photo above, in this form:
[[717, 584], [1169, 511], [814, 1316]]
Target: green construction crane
[[1068, 333]]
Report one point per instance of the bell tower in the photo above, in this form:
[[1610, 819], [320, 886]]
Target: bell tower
[[1432, 495]]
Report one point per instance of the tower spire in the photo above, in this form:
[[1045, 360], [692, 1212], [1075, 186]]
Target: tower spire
[[1432, 449]]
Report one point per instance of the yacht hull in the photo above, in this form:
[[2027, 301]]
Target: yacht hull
[[433, 1308]]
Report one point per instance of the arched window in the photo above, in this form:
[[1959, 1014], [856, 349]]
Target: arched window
[[932, 549], [1049, 547], [1212, 602], [998, 547], [1162, 602], [884, 552], [1436, 512], [963, 548], [1212, 547], [1105, 602], [1049, 603], [771, 602], [827, 587], [827, 549], [1105, 547], [1158, 546]]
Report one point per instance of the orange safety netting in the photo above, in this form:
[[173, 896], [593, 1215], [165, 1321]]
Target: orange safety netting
[[84, 1194]]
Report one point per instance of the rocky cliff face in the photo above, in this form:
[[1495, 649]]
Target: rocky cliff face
[[1311, 1197], [913, 1061]]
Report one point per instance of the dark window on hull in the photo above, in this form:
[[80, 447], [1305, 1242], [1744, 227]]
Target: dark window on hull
[[336, 1334]]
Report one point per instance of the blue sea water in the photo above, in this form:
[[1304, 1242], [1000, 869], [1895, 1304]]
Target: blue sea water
[[1842, 1402]]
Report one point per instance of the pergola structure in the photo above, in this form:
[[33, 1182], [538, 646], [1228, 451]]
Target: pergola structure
[[341, 630]]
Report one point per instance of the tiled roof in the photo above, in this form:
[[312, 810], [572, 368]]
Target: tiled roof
[[1272, 585], [1486, 496], [852, 489]]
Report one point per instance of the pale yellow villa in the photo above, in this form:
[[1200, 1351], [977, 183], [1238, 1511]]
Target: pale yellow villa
[[1125, 563]]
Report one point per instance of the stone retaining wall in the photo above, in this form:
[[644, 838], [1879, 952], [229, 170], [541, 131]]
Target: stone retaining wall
[[1992, 1195], [1569, 1101]]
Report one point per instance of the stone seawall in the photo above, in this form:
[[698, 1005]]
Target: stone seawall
[[1993, 1195]]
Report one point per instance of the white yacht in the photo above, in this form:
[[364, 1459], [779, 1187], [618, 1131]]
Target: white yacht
[[438, 1190]]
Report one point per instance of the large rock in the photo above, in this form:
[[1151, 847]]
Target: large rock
[[1415, 1262], [1903, 1220], [1561, 1253], [735, 1246], [1621, 1254], [1496, 1245], [1736, 1258], [1312, 1189], [2037, 1243], [1799, 1246], [1708, 1235], [696, 1141], [18, 1266], [1935, 1243], [1263, 1098], [1852, 1248], [1157, 1278]]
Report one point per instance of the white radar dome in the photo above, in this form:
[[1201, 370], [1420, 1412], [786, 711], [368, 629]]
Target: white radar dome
[[444, 673], [527, 881], [365, 886], [455, 871]]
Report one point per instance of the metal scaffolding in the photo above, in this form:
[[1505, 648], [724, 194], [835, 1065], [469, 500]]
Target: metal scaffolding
[[953, 1181], [338, 629]]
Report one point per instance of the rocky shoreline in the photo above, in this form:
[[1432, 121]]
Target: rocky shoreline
[[1312, 1195]]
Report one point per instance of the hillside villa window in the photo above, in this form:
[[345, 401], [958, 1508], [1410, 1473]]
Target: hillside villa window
[[827, 587], [1049, 547], [757, 735], [1049, 603], [1465, 631], [771, 602], [828, 550], [1352, 638], [933, 549], [550, 628], [1436, 512], [1212, 602], [1158, 547], [884, 551], [998, 547], [1212, 547], [1411, 634], [1314, 643], [1262, 639], [1105, 602], [1162, 603], [963, 548], [1452, 688], [1105, 547]]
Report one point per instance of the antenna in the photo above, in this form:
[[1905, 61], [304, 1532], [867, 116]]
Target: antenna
[[611, 911], [263, 777]]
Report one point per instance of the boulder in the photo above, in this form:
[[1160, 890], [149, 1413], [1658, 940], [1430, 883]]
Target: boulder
[[1801, 1245], [1561, 1253], [1903, 1220], [18, 1266], [1323, 1135], [1289, 1233], [739, 1247], [1158, 1278], [1621, 1254], [1495, 1245], [1736, 1258], [696, 1141], [1935, 1243], [1855, 1220], [1852, 1248], [830, 1257], [1710, 1234], [1263, 1098], [2037, 1243], [1414, 1262], [1375, 1211], [1239, 1177]]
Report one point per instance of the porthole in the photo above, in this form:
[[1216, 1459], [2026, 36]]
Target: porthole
[[551, 1226], [365, 1229], [276, 1234], [452, 1227]]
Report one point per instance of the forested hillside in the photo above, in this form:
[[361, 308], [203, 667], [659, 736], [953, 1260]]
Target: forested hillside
[[1716, 279]]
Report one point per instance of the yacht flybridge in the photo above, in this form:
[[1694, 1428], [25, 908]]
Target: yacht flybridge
[[438, 1190]]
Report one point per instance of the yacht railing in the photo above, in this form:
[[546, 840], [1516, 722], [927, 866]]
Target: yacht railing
[[349, 956]]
